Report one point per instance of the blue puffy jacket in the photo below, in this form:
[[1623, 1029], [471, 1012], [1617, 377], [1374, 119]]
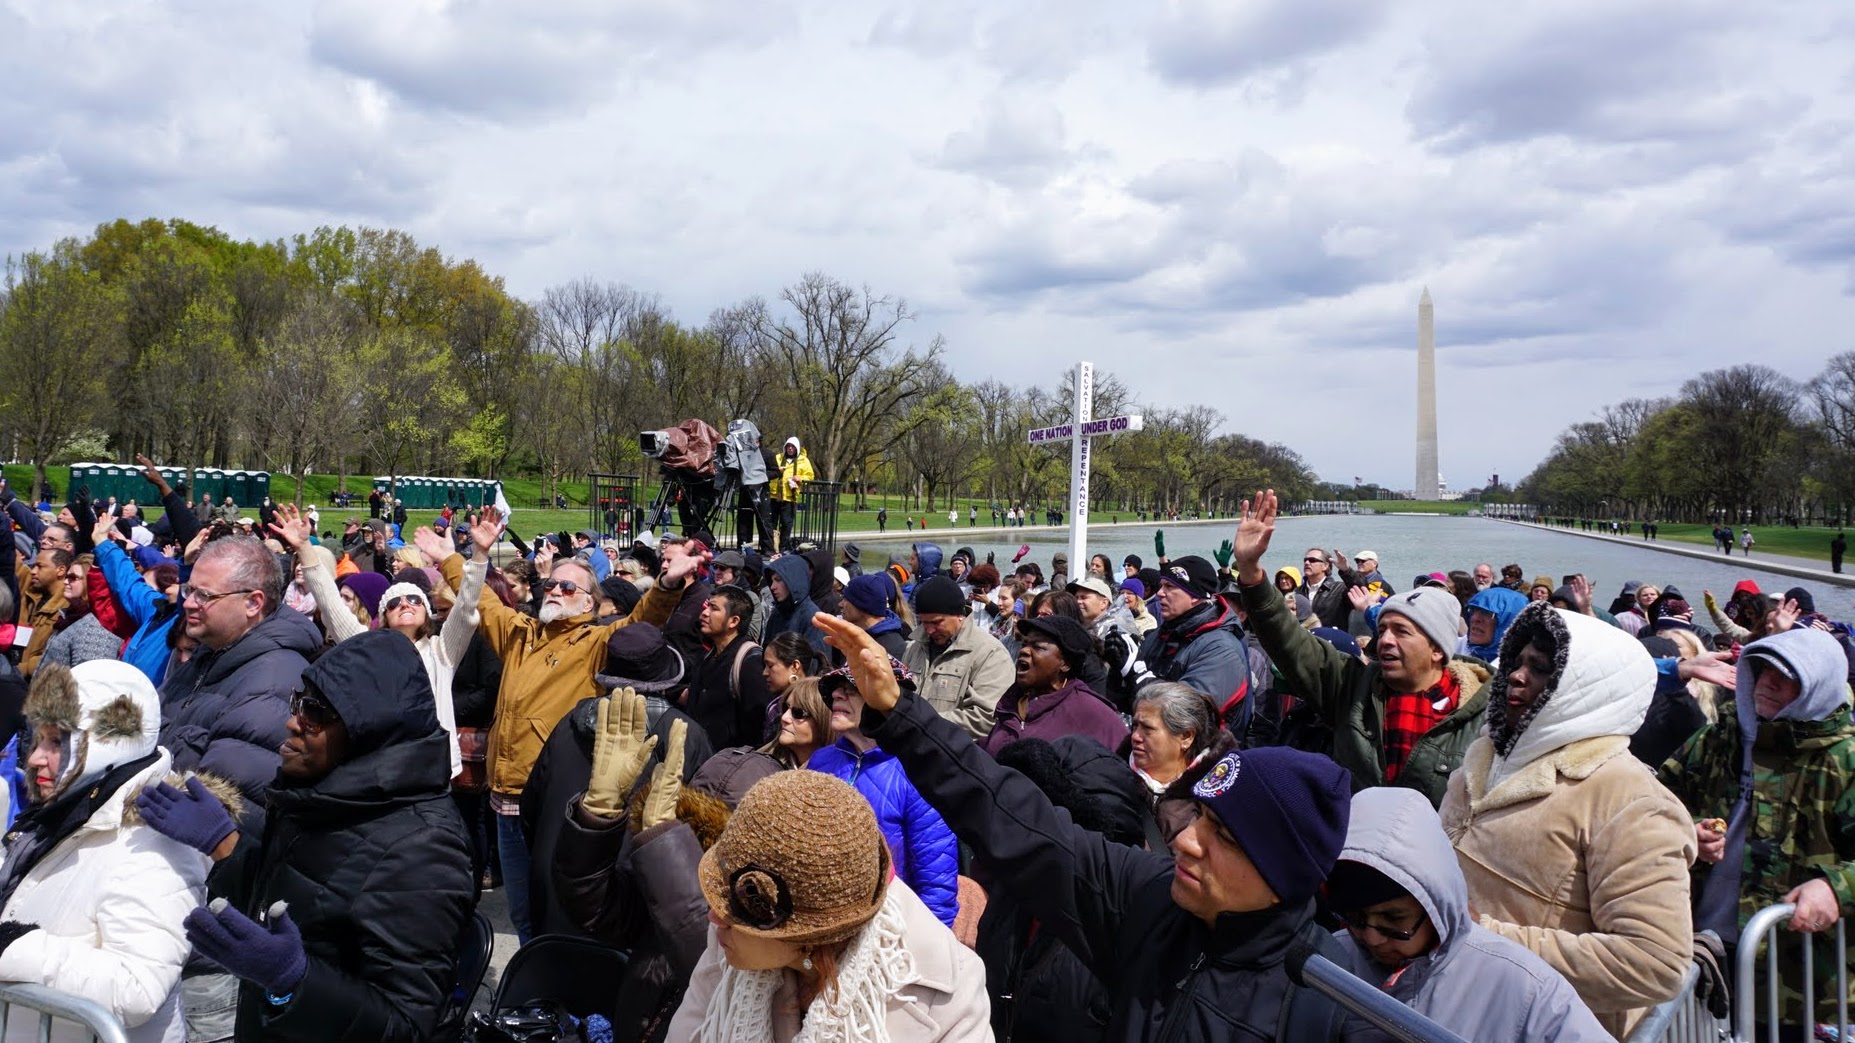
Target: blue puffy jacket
[[927, 857], [154, 615]]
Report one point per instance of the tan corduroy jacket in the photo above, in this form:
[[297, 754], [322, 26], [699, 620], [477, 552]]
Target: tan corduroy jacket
[[1582, 857], [545, 671]]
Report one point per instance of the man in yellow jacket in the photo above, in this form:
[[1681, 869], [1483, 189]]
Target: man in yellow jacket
[[548, 665], [795, 469]]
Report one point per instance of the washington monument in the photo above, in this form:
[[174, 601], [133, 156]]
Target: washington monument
[[1427, 470]]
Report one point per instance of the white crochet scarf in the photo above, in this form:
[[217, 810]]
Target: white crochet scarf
[[875, 966]]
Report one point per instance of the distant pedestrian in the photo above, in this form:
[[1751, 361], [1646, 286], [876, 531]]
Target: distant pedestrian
[[882, 519], [972, 516], [1746, 541], [1837, 547]]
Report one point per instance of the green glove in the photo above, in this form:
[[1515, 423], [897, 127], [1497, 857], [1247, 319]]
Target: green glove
[[1159, 542], [1223, 554]]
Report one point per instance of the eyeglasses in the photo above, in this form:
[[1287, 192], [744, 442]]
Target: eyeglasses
[[565, 586], [314, 711], [758, 898], [797, 713], [402, 600], [1356, 922], [198, 596]]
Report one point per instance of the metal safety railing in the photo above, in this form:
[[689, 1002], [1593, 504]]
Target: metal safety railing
[[1761, 932], [1683, 1019], [1359, 998], [48, 1007]]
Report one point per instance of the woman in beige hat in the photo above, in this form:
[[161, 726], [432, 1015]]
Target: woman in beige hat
[[813, 938]]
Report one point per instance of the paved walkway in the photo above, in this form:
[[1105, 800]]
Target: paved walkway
[[1799, 568]]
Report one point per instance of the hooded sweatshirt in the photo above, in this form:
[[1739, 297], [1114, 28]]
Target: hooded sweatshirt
[[1474, 982], [1503, 605], [1569, 846], [794, 615], [1818, 664], [794, 471]]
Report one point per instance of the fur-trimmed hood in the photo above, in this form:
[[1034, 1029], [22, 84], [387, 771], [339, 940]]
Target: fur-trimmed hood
[[1601, 685], [106, 712], [223, 790]]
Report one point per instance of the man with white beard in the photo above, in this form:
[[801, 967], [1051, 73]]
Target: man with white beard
[[548, 665]]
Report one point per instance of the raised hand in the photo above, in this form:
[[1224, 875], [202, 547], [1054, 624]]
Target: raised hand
[[153, 476], [1255, 527], [291, 527], [679, 567], [667, 780], [105, 530], [620, 752], [487, 529], [1361, 598], [868, 663], [1223, 554], [435, 547], [1711, 667]]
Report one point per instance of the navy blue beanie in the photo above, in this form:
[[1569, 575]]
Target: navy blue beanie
[[1288, 811], [870, 593]]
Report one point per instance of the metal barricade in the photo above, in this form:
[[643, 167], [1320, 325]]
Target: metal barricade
[[1763, 927], [1683, 1019], [52, 1006]]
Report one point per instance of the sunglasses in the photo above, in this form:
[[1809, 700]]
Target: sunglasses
[[403, 599], [565, 586], [314, 711], [797, 713], [1313, 561], [1356, 922]]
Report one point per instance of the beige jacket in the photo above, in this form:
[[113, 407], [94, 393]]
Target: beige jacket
[[947, 1002], [1582, 857], [965, 681]]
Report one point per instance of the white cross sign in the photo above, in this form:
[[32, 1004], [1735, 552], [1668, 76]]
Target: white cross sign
[[1088, 430]]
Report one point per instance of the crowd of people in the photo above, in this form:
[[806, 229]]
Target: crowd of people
[[257, 781]]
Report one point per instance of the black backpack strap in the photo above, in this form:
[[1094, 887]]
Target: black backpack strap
[[1308, 1016]]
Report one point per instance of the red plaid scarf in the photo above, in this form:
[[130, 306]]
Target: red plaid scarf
[[1410, 716]]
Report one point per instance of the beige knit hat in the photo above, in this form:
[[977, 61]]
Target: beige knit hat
[[802, 861]]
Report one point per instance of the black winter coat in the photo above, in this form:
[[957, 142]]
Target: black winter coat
[[729, 718], [1170, 976], [561, 773], [372, 858], [223, 712], [474, 687]]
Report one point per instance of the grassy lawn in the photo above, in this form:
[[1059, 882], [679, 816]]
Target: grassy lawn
[[524, 493], [1421, 506], [1796, 543]]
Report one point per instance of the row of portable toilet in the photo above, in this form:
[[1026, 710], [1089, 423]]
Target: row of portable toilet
[[426, 493], [126, 482]]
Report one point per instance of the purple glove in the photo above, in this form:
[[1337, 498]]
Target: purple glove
[[195, 818], [269, 957], [1023, 549]]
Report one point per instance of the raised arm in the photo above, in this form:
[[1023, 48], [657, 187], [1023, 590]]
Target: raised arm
[[1311, 668], [1073, 881], [503, 627], [294, 530]]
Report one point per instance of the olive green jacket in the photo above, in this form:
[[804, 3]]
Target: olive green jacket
[[1350, 697]]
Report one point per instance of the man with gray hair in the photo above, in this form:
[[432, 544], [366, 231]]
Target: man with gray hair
[[223, 710]]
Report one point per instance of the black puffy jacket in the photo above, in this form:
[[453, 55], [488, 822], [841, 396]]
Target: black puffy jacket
[[372, 858], [223, 712], [1171, 978]]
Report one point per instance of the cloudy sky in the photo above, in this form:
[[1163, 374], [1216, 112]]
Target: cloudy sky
[[1230, 202]]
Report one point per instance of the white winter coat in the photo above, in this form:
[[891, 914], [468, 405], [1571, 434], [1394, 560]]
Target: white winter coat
[[109, 901]]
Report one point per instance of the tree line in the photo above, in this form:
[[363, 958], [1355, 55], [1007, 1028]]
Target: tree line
[[1744, 443], [362, 351]]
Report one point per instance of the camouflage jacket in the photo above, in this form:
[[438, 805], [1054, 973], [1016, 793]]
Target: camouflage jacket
[[1803, 814]]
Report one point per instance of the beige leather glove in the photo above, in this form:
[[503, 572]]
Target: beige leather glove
[[620, 752], [667, 780]]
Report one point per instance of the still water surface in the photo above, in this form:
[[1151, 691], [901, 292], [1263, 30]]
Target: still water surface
[[1408, 545]]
